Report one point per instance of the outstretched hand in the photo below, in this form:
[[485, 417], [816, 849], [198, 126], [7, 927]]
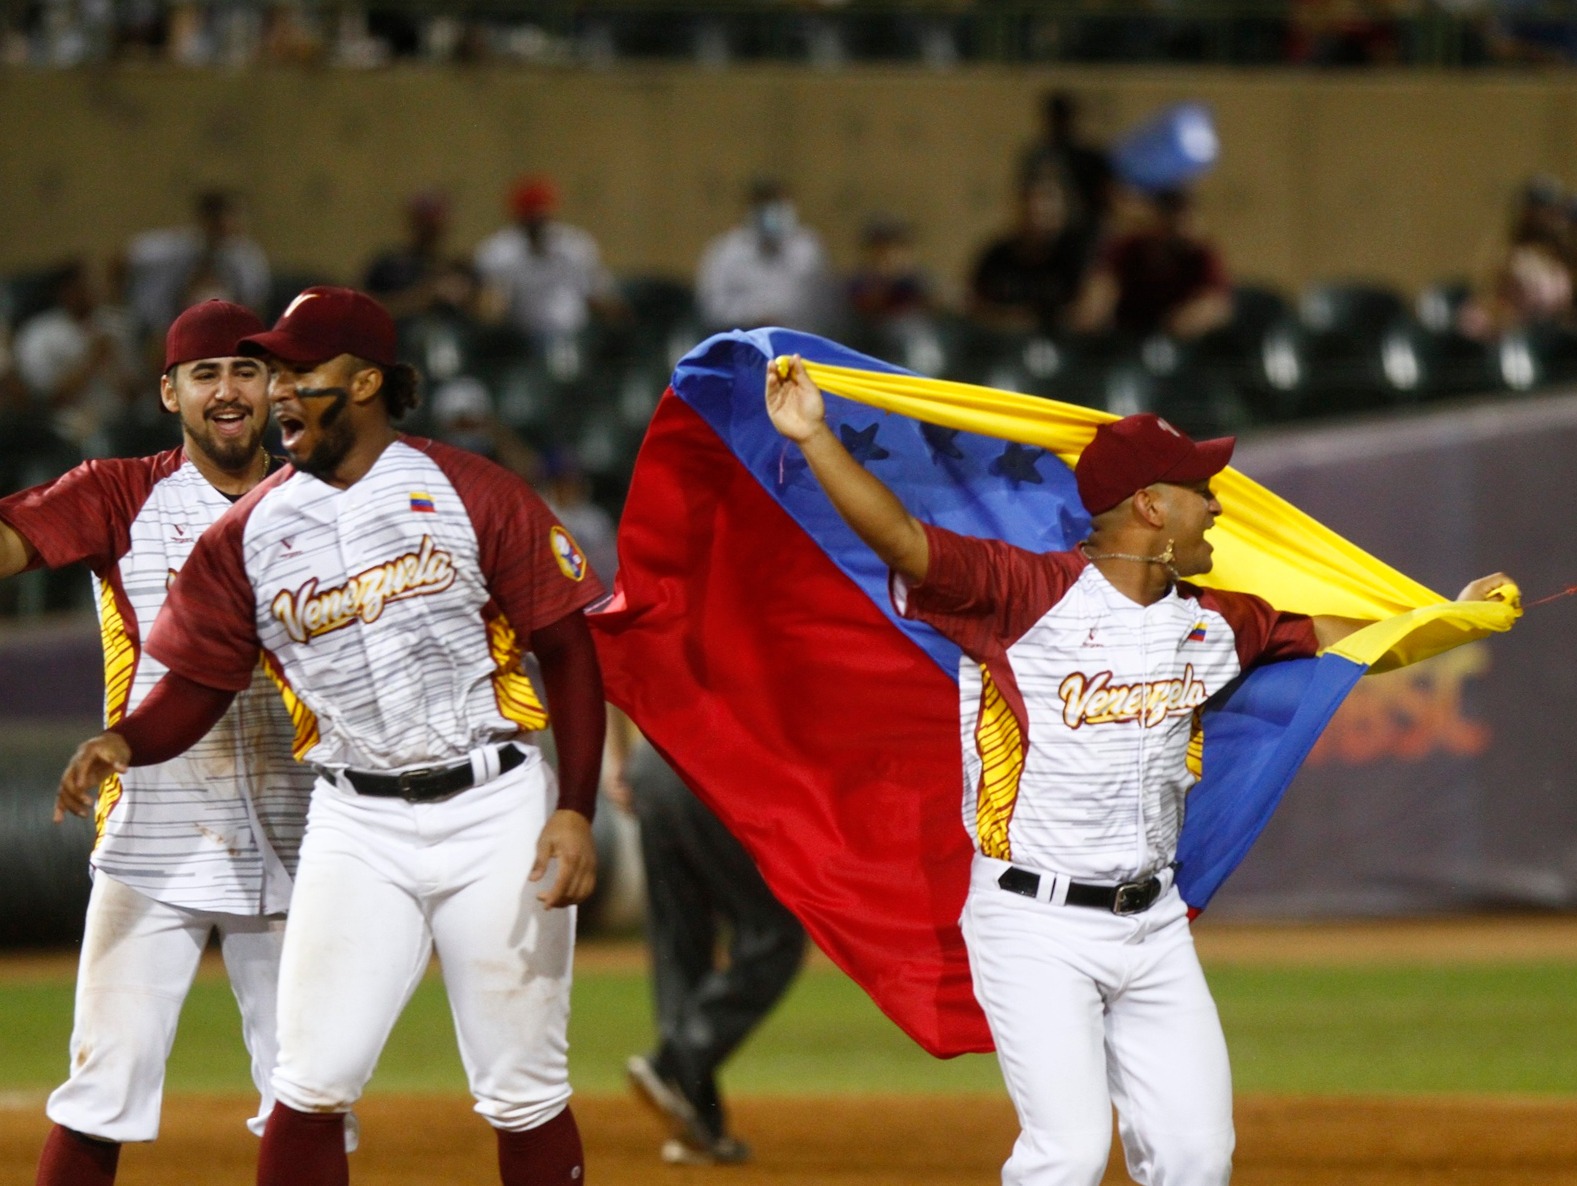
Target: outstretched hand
[[566, 837], [794, 403], [95, 760], [1497, 586]]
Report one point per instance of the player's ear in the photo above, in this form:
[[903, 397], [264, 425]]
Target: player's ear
[[365, 384], [167, 391], [1148, 507]]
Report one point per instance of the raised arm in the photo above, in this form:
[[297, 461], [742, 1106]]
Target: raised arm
[[1497, 586], [867, 506]]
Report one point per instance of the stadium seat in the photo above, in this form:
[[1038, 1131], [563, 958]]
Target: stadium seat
[[1536, 356], [1342, 326]]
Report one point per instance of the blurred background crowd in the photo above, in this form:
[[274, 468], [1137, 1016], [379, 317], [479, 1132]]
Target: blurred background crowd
[[827, 33], [1099, 287]]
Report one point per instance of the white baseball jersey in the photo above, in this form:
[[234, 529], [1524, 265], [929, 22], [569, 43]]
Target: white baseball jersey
[[1079, 707], [394, 614], [219, 827]]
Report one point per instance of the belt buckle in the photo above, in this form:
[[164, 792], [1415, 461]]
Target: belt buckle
[[1133, 896], [408, 779]]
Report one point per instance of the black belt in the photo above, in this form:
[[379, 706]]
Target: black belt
[[1130, 897], [428, 782]]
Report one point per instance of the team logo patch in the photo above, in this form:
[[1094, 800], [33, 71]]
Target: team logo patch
[[1197, 634], [571, 560], [423, 502]]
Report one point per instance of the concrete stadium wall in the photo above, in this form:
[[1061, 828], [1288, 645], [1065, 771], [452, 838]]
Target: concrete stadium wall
[[1401, 177]]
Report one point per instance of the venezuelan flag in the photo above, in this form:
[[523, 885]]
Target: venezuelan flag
[[752, 639]]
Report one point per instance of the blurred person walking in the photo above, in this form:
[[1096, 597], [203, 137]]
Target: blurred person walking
[[701, 885]]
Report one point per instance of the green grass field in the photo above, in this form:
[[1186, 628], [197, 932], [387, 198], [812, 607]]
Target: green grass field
[[1493, 1029]]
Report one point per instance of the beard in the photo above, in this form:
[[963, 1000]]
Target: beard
[[233, 456], [334, 443]]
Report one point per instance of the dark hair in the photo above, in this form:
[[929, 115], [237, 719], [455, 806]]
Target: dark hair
[[401, 388], [1060, 106], [211, 203]]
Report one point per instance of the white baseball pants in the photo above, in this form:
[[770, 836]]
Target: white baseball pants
[[383, 882], [139, 957], [1089, 1009]]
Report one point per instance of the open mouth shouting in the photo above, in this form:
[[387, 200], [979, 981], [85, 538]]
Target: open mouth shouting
[[291, 426]]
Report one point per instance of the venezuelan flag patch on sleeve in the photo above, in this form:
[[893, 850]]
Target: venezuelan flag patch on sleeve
[[423, 502]]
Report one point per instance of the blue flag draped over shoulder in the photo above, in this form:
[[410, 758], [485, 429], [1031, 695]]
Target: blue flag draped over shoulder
[[753, 641]]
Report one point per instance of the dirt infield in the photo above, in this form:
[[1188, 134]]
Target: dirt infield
[[863, 1141]]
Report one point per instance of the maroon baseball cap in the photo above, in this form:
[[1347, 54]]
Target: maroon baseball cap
[[1129, 454], [212, 329], [324, 322]]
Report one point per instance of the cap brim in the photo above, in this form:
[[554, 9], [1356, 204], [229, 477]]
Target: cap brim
[[281, 344], [1207, 460]]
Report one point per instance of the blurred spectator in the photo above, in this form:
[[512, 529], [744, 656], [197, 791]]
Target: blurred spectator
[[76, 359], [768, 271], [567, 491], [13, 393], [888, 285], [1529, 279], [1030, 278], [419, 276], [1528, 33], [463, 416], [1161, 278], [1345, 33], [1060, 154], [171, 269], [544, 277]]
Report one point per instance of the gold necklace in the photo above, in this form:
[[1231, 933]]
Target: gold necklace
[[1165, 558]]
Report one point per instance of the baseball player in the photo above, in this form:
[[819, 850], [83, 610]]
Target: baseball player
[[200, 843], [1081, 677], [392, 585]]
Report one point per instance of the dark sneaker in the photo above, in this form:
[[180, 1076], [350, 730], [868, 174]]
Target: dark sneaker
[[723, 1151], [663, 1097]]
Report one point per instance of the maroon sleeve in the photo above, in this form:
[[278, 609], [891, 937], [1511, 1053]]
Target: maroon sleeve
[[175, 715], [984, 593], [207, 630], [572, 683], [1264, 634], [534, 569], [86, 513]]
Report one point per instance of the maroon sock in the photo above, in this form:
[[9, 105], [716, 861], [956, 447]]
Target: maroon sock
[[71, 1159], [303, 1149], [548, 1155]]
